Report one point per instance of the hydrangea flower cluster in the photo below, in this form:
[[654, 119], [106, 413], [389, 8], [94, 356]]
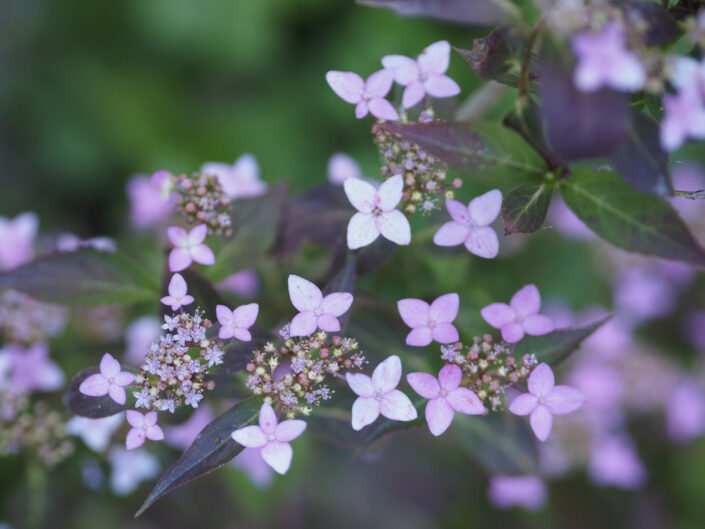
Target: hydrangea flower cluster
[[201, 199]]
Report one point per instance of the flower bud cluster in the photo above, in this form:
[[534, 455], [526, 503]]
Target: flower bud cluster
[[175, 365], [32, 427], [304, 363], [201, 199], [488, 367], [24, 320]]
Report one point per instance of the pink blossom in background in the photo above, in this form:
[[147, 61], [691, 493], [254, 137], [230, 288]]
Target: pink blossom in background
[[148, 206], [96, 433], [445, 397], [689, 74], [685, 411], [378, 395], [602, 385], [251, 462], [17, 240], [643, 293], [695, 329], [684, 118], [241, 180], [528, 492], [377, 213], [182, 435], [31, 369], [544, 400], [470, 225], [188, 247], [178, 296], [426, 75], [129, 468], [271, 437], [163, 182], [341, 167], [566, 222], [68, 242], [144, 426], [244, 284], [614, 462], [110, 381], [605, 61], [235, 323], [520, 316], [367, 96], [315, 311], [139, 336], [430, 322]]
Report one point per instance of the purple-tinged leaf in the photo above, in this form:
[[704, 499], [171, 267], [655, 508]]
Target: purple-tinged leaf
[[524, 208], [91, 407], [473, 13], [656, 25]]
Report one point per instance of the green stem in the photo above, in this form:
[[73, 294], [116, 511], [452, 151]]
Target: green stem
[[37, 490], [524, 80]]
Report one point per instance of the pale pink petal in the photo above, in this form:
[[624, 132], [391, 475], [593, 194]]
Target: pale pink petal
[[483, 242], [267, 419], [419, 337], [155, 433], [524, 404], [458, 211], [587, 76], [390, 192], [179, 259], [177, 286], [526, 301], [387, 374], [397, 407], [564, 399], [134, 418], [124, 378], [224, 314], [364, 411], [150, 418], [485, 208], [498, 314], [541, 380], [304, 324], [362, 230], [341, 167], [627, 73], [186, 300], [226, 332], [379, 83], [414, 312], [361, 109], [445, 308], [441, 86], [362, 195], [424, 384], [465, 401], [337, 303], [289, 430], [171, 301], [360, 384], [95, 386], [328, 323], [177, 236], [538, 324], [435, 58], [451, 234], [135, 438], [405, 69], [202, 254], [242, 334], [347, 85], [413, 94], [197, 235], [245, 315], [278, 456], [250, 436], [512, 332], [541, 422], [109, 367], [383, 109], [445, 333], [439, 415], [117, 393], [449, 377], [304, 294], [394, 225]]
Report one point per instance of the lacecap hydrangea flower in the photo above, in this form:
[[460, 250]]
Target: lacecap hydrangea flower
[[367, 96], [520, 316]]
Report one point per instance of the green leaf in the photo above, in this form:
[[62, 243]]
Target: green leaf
[[478, 12], [92, 407], [524, 208], [485, 151], [557, 345], [525, 118], [85, 277], [213, 448], [635, 221]]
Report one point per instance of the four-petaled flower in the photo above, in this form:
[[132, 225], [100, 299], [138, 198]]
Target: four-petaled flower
[[143, 426], [520, 316], [377, 213], [271, 437], [470, 225], [445, 397], [110, 381], [378, 394], [188, 247], [178, 296], [235, 323], [315, 311], [426, 75], [367, 96], [430, 322], [544, 400]]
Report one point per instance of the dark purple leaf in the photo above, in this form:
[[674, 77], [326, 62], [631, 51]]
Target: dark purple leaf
[[656, 25], [524, 208], [476, 12], [91, 407]]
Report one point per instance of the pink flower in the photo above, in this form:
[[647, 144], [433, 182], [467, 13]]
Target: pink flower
[[614, 461], [470, 225], [544, 400], [188, 247], [148, 205], [241, 180], [143, 426], [605, 61], [341, 167], [316, 311], [520, 316], [528, 492], [271, 437], [379, 395], [445, 397], [377, 213], [244, 283], [31, 369], [110, 381], [367, 96], [235, 323], [184, 434], [177, 293], [139, 336], [684, 118], [17, 240], [68, 242], [430, 322], [426, 75]]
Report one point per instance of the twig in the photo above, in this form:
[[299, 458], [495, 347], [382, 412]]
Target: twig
[[692, 195]]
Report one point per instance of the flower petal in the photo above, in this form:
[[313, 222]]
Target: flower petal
[[245, 315], [538, 324], [362, 230], [155, 433], [250, 436], [379, 83], [413, 94], [445, 333], [328, 323], [124, 378], [202, 254], [390, 193], [449, 377], [177, 286], [387, 374], [541, 380], [336, 303], [523, 404], [197, 234], [361, 109], [424, 384], [361, 194], [439, 415], [397, 407], [341, 167], [278, 456], [304, 294], [441, 86], [224, 315], [109, 367], [405, 69], [364, 411], [135, 438], [451, 234], [95, 386], [445, 308], [498, 314], [458, 211], [526, 301], [564, 399], [485, 208], [394, 225], [179, 259], [382, 109], [347, 85], [177, 236], [134, 418], [512, 332], [289, 430], [465, 401], [435, 58], [483, 242], [242, 335], [541, 422], [304, 324], [360, 384], [414, 312], [117, 393], [267, 419], [419, 337]]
